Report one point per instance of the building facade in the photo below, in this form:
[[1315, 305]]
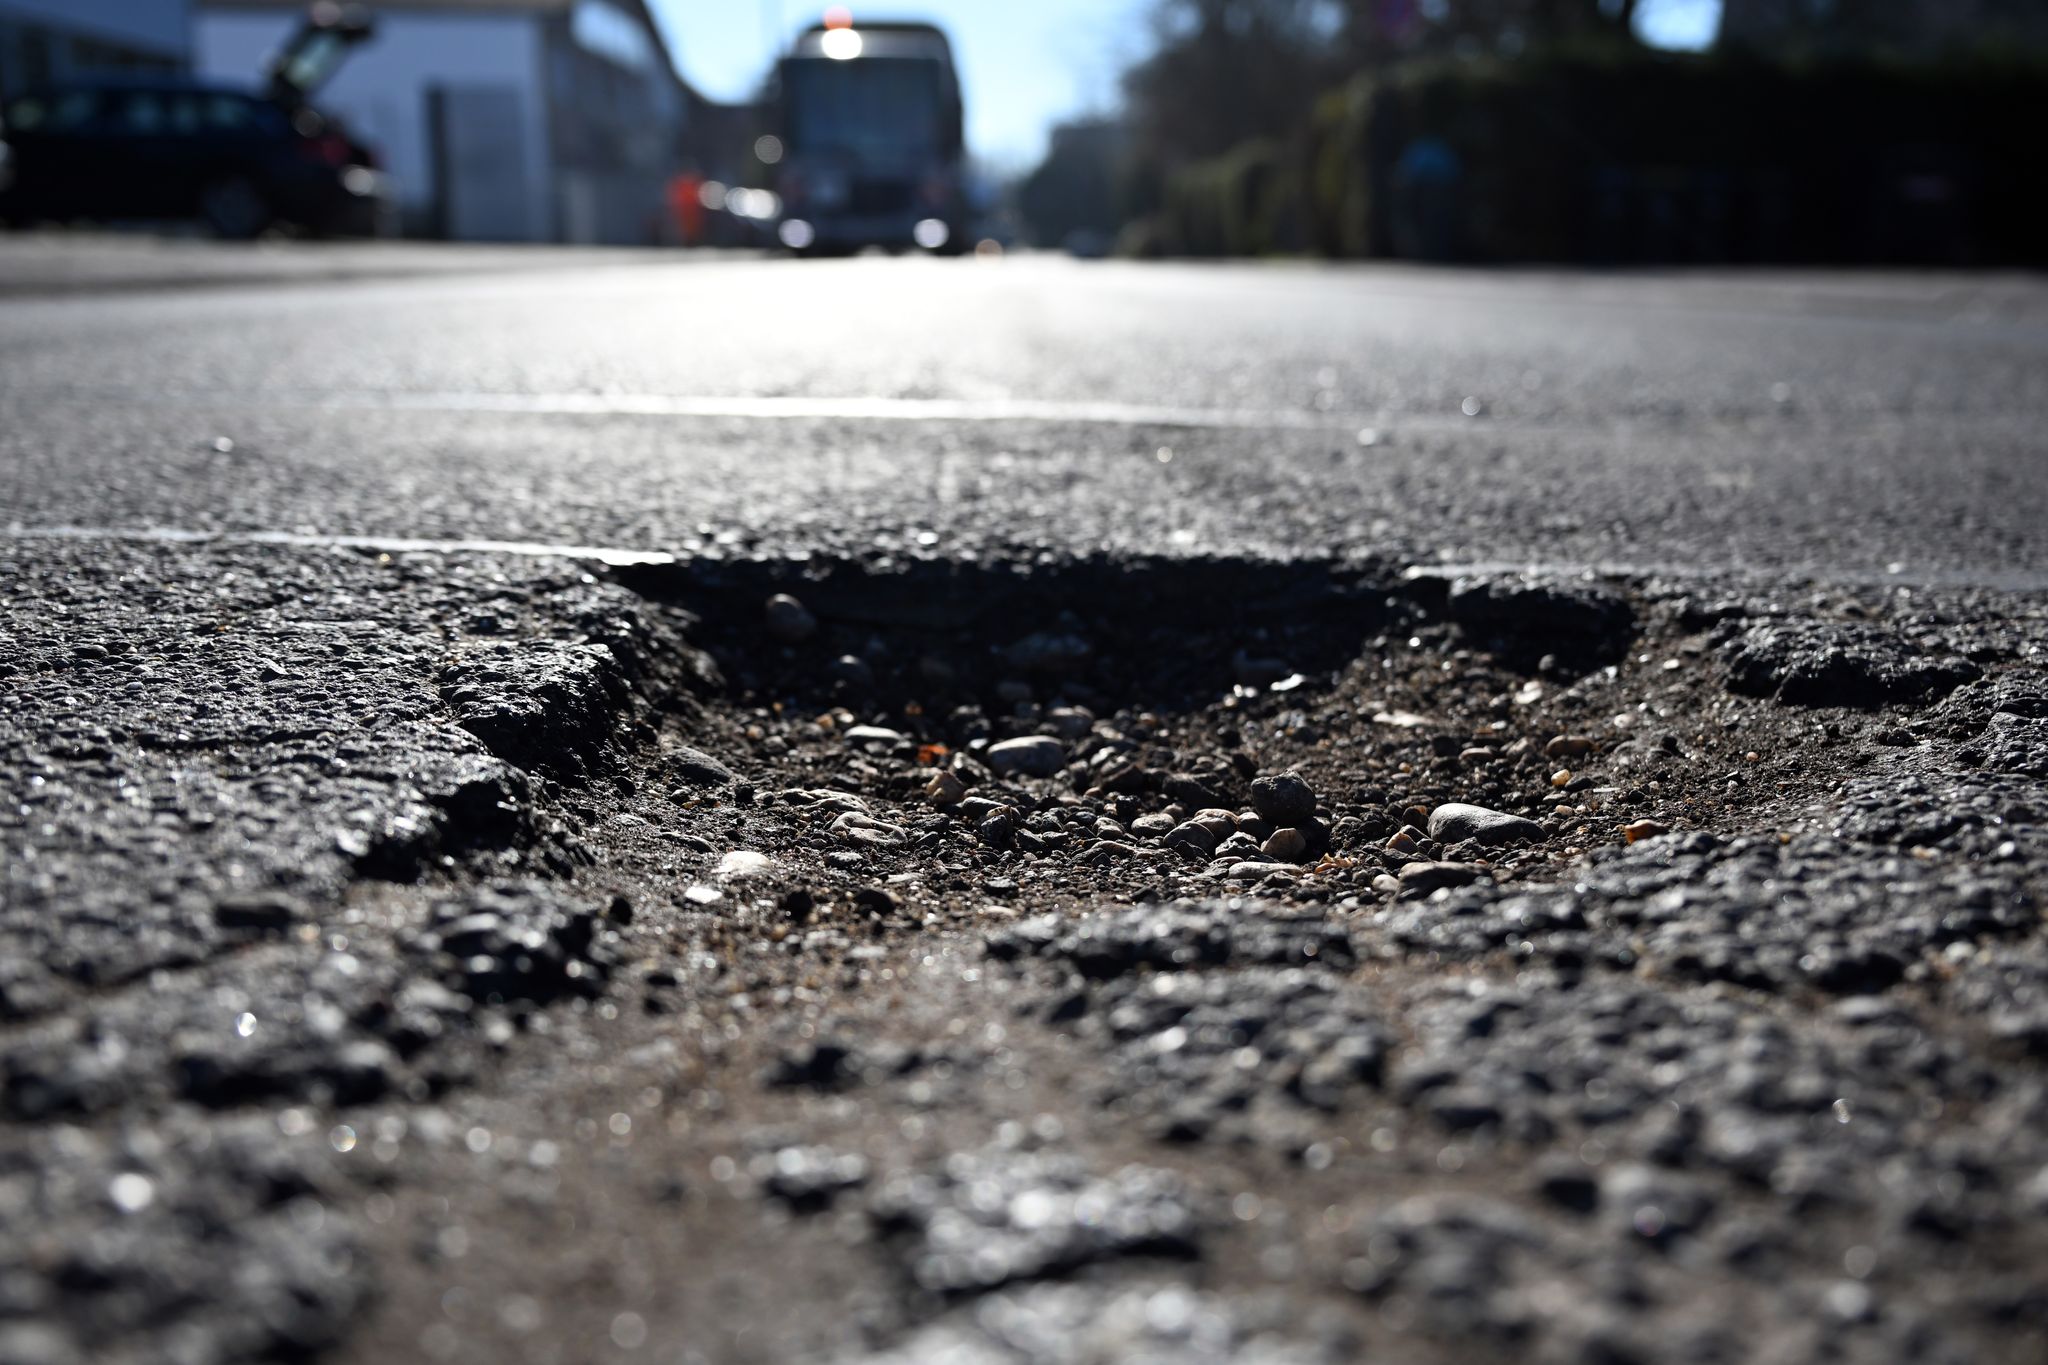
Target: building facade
[[497, 120], [50, 41]]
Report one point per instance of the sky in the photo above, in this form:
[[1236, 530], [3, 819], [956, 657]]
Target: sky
[[1025, 64], [1686, 25]]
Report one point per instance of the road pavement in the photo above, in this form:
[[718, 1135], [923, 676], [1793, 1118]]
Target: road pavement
[[585, 806], [1833, 425]]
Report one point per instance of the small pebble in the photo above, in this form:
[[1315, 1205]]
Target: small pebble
[[857, 829], [789, 620], [877, 901], [1285, 799], [853, 671], [1422, 878], [998, 830], [1192, 838], [874, 734], [1455, 822], [742, 862], [1032, 756], [1259, 871], [1288, 845]]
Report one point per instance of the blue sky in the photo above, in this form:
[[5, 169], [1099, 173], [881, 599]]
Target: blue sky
[[1026, 64], [1684, 24]]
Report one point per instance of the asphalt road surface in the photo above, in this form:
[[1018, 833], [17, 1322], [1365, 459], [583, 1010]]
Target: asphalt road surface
[[583, 806]]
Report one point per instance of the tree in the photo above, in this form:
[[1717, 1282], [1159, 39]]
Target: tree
[[1223, 72]]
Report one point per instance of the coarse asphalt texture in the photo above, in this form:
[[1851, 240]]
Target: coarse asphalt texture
[[598, 806]]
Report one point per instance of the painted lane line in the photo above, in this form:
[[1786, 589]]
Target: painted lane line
[[168, 535]]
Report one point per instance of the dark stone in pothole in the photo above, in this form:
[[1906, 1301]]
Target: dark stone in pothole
[[1455, 823], [789, 620], [1419, 879], [1569, 1185], [820, 1065], [1195, 792], [1285, 799], [1832, 663], [695, 768], [259, 914], [1535, 617]]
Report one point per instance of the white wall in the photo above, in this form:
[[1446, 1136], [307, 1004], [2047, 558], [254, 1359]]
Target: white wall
[[158, 24], [381, 90]]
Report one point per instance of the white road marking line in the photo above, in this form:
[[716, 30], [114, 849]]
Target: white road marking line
[[777, 408], [786, 408], [168, 535]]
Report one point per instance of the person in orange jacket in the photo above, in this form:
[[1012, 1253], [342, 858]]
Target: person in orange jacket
[[686, 203]]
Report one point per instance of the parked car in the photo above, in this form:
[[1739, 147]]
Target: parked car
[[238, 161]]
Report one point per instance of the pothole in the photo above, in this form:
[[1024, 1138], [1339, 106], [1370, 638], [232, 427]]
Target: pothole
[[943, 738]]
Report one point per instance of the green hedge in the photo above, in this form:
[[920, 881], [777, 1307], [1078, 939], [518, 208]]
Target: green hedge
[[1643, 157], [1246, 203]]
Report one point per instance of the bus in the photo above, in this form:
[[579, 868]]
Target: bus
[[868, 148]]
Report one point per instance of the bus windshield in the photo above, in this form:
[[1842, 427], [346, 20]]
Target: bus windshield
[[872, 108]]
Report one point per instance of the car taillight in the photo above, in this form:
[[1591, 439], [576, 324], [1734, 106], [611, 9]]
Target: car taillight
[[330, 150]]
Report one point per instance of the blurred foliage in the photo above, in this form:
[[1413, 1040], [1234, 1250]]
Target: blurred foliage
[[1082, 186], [1542, 129], [1247, 202], [1223, 72], [1621, 156]]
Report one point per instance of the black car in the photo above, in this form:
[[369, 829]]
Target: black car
[[167, 150]]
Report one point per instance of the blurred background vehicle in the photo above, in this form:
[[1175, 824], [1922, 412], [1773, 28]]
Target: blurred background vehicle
[[869, 142], [166, 147]]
